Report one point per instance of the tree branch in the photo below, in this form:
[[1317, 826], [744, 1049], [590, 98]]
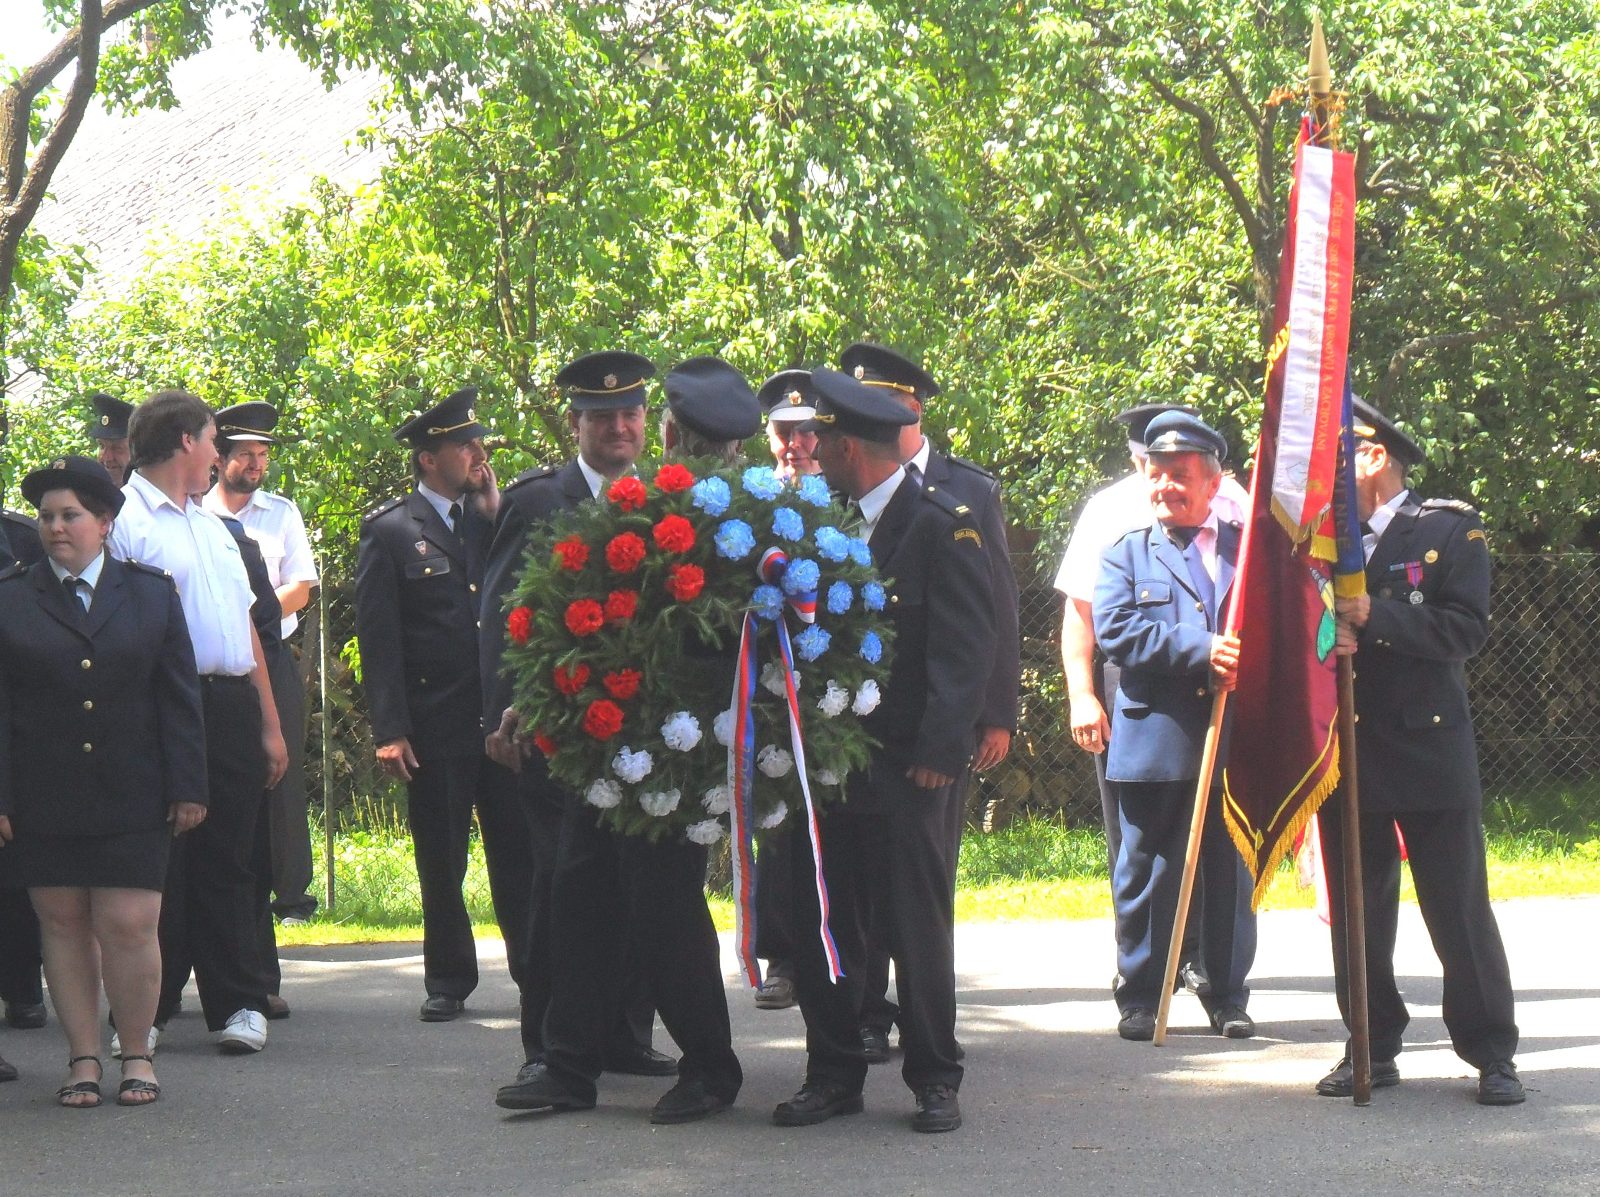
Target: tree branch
[[1206, 127]]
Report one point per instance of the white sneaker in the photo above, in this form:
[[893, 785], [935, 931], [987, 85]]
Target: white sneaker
[[246, 1032], [116, 1043]]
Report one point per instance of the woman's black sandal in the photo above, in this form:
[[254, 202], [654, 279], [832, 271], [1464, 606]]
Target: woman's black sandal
[[80, 1088], [138, 1085]]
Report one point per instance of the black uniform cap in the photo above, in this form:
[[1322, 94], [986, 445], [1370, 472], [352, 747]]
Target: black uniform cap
[[111, 415], [607, 381], [1372, 425], [710, 397], [879, 366], [248, 422], [451, 420], [82, 474], [788, 395], [1180, 432], [854, 408]]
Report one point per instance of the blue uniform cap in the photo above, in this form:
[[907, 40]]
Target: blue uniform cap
[[853, 408], [710, 397], [880, 366], [452, 420], [1180, 432], [788, 395], [610, 380]]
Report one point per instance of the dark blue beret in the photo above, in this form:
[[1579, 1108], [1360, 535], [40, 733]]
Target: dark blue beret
[[710, 397]]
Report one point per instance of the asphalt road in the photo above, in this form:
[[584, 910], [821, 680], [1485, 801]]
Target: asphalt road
[[353, 1095]]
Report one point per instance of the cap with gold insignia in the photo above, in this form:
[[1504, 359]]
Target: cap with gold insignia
[[1137, 418], [880, 366], [111, 415], [852, 408], [454, 419], [82, 474], [1180, 432], [788, 396], [607, 381], [710, 397], [252, 421], [1370, 424]]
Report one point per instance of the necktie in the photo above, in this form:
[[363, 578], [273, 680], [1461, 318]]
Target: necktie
[[74, 595], [914, 474], [455, 518]]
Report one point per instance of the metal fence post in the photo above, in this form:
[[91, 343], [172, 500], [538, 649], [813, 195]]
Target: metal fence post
[[328, 893]]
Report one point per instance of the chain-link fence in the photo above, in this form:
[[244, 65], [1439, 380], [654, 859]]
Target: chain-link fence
[[1536, 708]]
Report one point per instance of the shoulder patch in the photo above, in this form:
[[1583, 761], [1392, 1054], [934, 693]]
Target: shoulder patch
[[1455, 505], [1479, 534], [154, 570], [15, 570], [946, 501], [383, 508], [20, 517], [964, 464], [528, 476], [972, 534]]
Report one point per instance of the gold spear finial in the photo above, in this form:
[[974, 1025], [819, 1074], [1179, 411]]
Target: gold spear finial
[[1321, 78]]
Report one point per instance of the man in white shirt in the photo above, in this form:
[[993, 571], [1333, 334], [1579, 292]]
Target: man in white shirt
[[208, 911]]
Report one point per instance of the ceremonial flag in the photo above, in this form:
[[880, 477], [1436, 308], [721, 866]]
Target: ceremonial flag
[[1284, 757]]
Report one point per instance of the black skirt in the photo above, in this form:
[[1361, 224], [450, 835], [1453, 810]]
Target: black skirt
[[129, 860]]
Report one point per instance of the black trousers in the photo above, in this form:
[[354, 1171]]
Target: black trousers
[[20, 958], [442, 795], [1446, 852], [208, 910], [609, 888], [774, 901], [893, 864], [289, 836]]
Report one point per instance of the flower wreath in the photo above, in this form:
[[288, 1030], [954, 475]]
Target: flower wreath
[[625, 625]]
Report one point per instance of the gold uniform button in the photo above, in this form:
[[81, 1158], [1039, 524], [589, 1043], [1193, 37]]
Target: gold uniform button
[[894, 598], [86, 664], [1201, 692], [88, 704], [472, 586], [1436, 719], [88, 747], [1200, 607], [427, 569]]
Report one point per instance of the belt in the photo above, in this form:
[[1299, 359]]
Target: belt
[[225, 679]]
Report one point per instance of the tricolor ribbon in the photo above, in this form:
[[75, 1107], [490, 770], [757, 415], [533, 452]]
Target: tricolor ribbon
[[773, 565]]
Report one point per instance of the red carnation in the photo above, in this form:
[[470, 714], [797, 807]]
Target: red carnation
[[544, 744], [684, 582], [627, 493], [621, 605], [573, 552], [570, 681], [624, 552], [585, 617], [519, 624], [672, 478], [623, 683], [603, 719], [674, 534]]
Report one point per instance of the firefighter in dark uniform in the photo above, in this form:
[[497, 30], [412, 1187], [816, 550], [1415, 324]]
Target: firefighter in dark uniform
[[888, 847], [109, 430], [419, 578], [912, 386], [1426, 611], [606, 414]]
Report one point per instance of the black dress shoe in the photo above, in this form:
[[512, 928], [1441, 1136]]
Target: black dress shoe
[[937, 1110], [817, 1102], [688, 1101], [636, 1060], [277, 1008], [439, 1008], [1341, 1082], [8, 1071], [25, 1016], [1190, 977], [1231, 1022], [1498, 1085], [537, 1088], [875, 1045], [1137, 1023]]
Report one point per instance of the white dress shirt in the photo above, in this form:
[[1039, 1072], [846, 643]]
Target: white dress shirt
[[596, 480], [275, 524], [875, 500], [90, 577], [1378, 521]]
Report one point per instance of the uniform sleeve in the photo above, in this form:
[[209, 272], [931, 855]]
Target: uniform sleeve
[[378, 636], [499, 576], [6, 807], [1133, 637], [180, 720], [961, 646], [1454, 623], [299, 565], [1005, 674]]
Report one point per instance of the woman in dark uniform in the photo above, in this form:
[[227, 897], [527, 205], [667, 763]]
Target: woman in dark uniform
[[101, 763]]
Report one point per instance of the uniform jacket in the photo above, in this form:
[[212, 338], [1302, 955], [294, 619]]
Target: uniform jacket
[[1150, 621], [418, 592], [100, 716], [981, 494], [19, 539], [941, 603], [1429, 584]]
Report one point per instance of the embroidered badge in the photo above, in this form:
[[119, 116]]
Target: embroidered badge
[[969, 534], [1479, 534], [422, 548], [609, 381]]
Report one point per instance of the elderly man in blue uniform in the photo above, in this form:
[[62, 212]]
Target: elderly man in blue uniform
[[1425, 613], [1159, 606], [419, 573], [887, 849], [605, 881], [109, 430], [606, 401]]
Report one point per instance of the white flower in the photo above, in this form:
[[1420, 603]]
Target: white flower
[[722, 727], [707, 831], [774, 761], [604, 794], [717, 800], [834, 701], [826, 777], [867, 698], [681, 731], [633, 767], [772, 679], [659, 802], [775, 816]]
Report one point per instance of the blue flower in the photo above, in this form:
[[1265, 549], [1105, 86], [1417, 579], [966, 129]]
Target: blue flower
[[872, 648], [711, 495], [767, 601], [802, 576], [762, 482], [839, 598], [814, 490], [787, 524], [860, 553], [872, 596], [812, 643], [832, 544], [734, 540]]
